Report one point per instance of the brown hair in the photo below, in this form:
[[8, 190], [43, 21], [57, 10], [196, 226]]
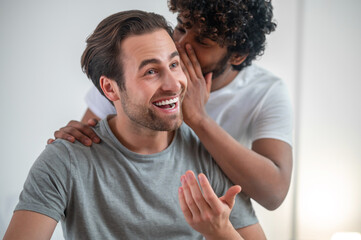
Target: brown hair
[[102, 55]]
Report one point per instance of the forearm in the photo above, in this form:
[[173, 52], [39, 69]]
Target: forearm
[[264, 179]]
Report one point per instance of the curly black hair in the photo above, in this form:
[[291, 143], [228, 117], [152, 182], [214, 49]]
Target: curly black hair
[[241, 25]]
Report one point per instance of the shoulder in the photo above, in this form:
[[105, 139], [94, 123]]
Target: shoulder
[[251, 81], [186, 140], [265, 85], [62, 151], [185, 131], [188, 143], [255, 74], [56, 156], [57, 149], [186, 135], [64, 148]]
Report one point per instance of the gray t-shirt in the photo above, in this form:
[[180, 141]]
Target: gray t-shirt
[[109, 192]]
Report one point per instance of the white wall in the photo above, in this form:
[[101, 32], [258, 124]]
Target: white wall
[[42, 88], [280, 58], [329, 196], [317, 51]]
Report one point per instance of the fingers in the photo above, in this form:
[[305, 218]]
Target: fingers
[[191, 204], [86, 131], [184, 206], [77, 131], [70, 134], [194, 203], [208, 79], [186, 63], [190, 63], [194, 61], [209, 195], [193, 195], [185, 72]]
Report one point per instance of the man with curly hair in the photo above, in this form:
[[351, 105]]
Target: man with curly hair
[[241, 113]]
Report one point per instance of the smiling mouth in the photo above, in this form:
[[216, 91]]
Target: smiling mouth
[[167, 104]]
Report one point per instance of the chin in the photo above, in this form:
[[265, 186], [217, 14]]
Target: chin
[[174, 126], [165, 125]]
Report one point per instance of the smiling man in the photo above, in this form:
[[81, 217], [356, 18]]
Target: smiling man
[[139, 182], [240, 112]]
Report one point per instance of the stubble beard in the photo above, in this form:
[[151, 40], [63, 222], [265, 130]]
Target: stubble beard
[[148, 118], [220, 67]]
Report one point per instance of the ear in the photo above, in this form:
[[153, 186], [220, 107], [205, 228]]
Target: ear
[[110, 88], [237, 58]]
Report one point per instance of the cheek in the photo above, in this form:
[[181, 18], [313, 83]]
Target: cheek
[[146, 91], [139, 93], [181, 77], [203, 56]]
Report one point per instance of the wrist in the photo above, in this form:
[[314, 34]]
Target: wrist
[[228, 233], [198, 121]]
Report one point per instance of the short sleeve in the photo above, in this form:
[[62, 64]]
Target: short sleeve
[[275, 116], [47, 185], [98, 104]]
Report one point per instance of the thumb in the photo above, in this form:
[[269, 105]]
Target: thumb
[[208, 79], [229, 197]]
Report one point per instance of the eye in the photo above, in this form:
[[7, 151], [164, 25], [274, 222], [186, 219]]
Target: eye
[[174, 65], [201, 42], [150, 72]]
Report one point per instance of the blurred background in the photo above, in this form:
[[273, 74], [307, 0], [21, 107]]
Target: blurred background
[[316, 49]]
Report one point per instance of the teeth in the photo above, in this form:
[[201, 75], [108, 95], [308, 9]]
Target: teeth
[[170, 101]]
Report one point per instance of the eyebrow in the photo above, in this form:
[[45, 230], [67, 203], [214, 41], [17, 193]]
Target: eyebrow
[[154, 60]]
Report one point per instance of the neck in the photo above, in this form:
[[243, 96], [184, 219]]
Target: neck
[[224, 79], [139, 139]]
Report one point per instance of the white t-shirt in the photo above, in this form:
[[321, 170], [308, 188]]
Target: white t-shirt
[[255, 105]]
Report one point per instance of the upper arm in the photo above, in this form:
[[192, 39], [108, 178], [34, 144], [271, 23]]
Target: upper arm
[[254, 231], [272, 131], [279, 152], [30, 225], [274, 116]]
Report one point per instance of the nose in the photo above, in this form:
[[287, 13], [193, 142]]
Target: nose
[[173, 81]]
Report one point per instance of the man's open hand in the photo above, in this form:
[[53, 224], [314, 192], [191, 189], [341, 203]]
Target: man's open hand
[[205, 212]]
